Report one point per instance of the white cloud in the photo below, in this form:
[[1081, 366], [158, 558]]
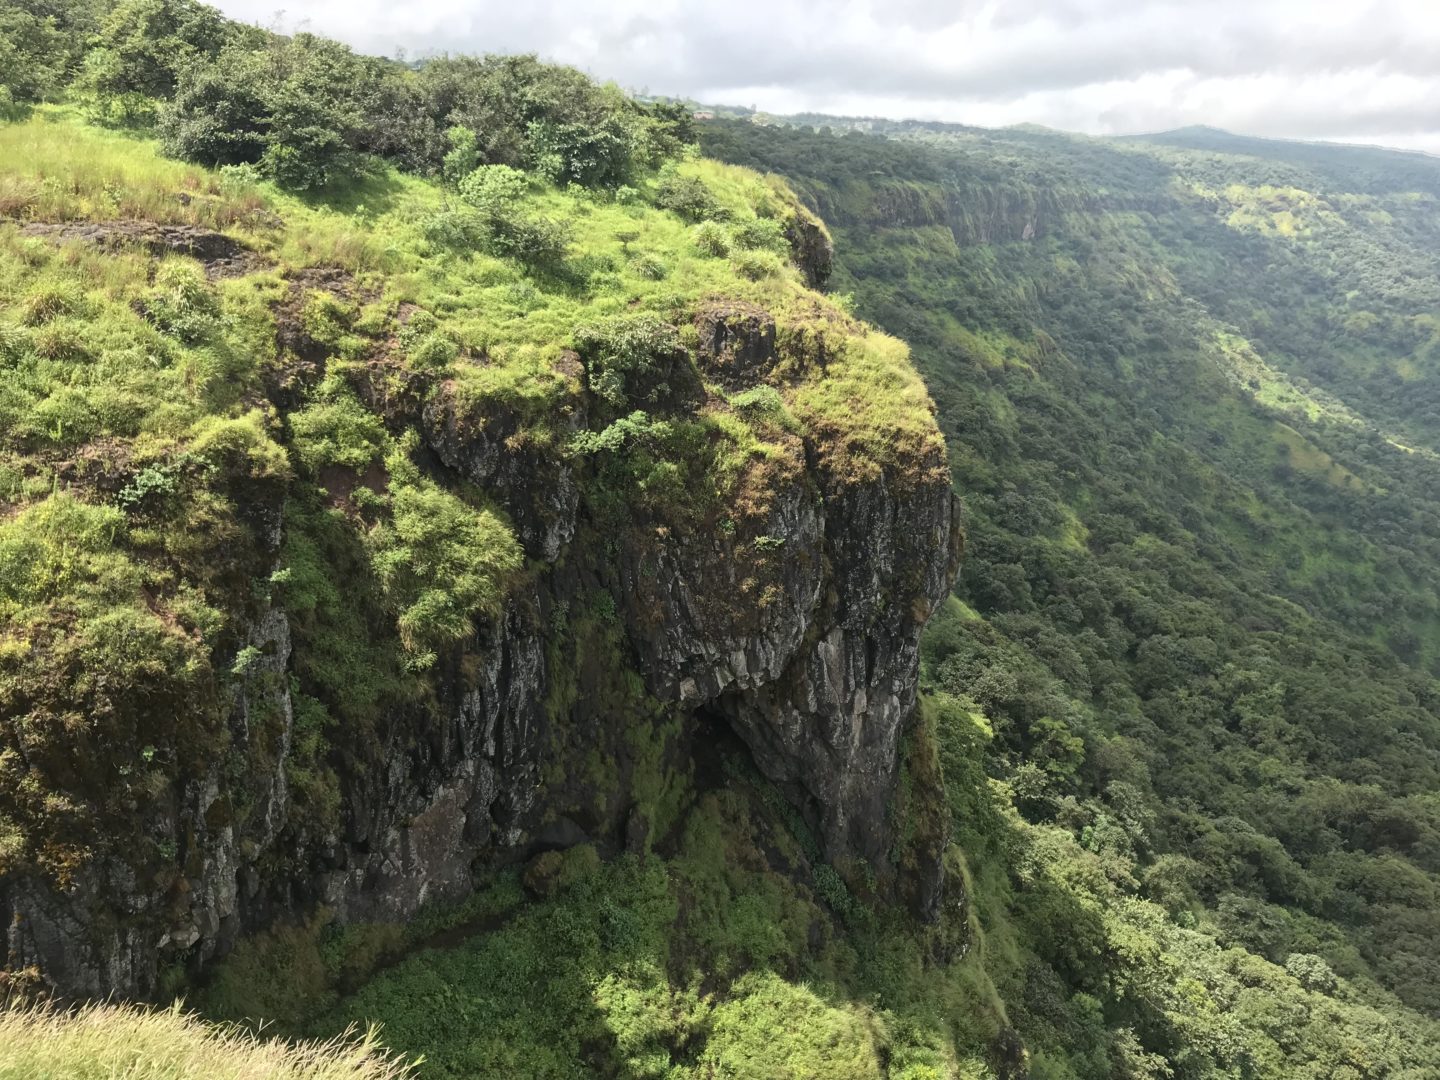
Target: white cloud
[[1302, 68]]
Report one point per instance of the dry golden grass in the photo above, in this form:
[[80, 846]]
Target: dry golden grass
[[127, 1042]]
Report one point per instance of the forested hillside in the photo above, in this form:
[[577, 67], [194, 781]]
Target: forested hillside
[[1189, 387]]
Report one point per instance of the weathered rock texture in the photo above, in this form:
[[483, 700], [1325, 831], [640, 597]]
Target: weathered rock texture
[[798, 624], [221, 255]]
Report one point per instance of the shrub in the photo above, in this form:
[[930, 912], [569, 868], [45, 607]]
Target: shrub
[[301, 167], [442, 562], [552, 871], [237, 179], [49, 301], [14, 343], [688, 197], [329, 319], [620, 347], [454, 227], [433, 350], [182, 303], [462, 157], [761, 234], [648, 266], [503, 228], [313, 783], [340, 431], [57, 341], [56, 544], [768, 1027], [12, 845], [314, 120], [760, 400], [638, 425], [669, 130], [756, 265], [711, 238], [418, 325], [240, 445], [539, 243], [494, 190], [153, 483]]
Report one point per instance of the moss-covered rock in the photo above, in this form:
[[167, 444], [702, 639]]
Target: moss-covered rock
[[375, 556]]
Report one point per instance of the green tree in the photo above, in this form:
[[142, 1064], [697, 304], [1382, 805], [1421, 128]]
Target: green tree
[[220, 114], [140, 50], [546, 117], [41, 44], [289, 107]]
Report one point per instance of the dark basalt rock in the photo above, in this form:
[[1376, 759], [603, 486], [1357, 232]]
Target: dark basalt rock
[[737, 343], [811, 249], [828, 729], [535, 485]]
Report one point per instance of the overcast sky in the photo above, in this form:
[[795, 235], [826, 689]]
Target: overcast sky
[[1355, 71]]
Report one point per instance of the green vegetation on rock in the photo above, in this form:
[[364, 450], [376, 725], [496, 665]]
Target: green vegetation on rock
[[304, 354]]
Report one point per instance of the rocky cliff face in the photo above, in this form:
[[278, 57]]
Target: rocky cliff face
[[793, 616]]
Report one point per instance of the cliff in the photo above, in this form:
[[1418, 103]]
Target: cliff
[[409, 599]]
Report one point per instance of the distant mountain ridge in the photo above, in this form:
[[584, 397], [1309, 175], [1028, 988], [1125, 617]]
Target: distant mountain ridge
[[1192, 136]]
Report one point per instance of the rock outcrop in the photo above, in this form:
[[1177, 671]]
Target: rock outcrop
[[796, 621], [221, 255]]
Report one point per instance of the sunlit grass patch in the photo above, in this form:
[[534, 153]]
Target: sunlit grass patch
[[872, 410], [57, 170], [503, 326], [144, 1044]]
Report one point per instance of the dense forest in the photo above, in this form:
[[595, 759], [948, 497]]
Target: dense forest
[[393, 456], [1189, 388]]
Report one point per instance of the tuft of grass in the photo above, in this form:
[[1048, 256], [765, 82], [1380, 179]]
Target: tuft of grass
[[101, 1042]]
